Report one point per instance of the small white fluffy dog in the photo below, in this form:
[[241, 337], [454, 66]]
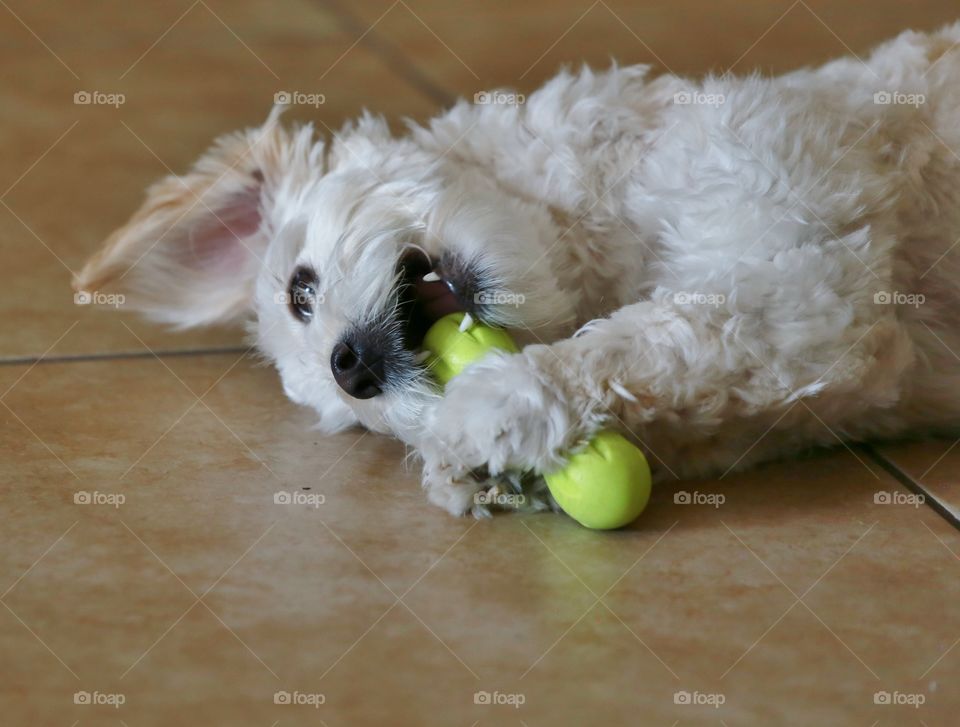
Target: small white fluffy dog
[[726, 271]]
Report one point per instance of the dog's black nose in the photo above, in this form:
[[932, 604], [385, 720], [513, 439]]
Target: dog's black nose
[[358, 368]]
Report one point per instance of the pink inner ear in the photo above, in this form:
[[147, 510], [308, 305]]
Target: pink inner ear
[[219, 244]]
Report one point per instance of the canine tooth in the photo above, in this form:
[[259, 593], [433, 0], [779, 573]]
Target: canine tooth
[[622, 391], [466, 322], [421, 357], [431, 277]]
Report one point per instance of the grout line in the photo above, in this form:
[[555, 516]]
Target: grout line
[[915, 487], [388, 53], [122, 355]]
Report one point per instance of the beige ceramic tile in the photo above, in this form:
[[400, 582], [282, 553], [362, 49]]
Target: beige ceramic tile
[[469, 46], [399, 614], [71, 173], [115, 23], [933, 464]]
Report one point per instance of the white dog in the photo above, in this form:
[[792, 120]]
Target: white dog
[[726, 271]]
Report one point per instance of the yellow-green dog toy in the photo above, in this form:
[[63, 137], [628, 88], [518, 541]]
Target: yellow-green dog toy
[[604, 486]]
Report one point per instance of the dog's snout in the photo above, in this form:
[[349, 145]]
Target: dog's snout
[[358, 367]]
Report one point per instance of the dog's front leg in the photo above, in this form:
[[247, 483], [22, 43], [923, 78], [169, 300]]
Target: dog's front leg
[[526, 411]]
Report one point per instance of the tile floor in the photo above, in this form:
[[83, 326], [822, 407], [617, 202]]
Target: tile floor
[[196, 598]]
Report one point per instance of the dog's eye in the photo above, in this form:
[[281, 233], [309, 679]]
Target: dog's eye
[[302, 293]]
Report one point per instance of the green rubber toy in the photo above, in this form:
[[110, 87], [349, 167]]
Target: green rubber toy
[[602, 487]]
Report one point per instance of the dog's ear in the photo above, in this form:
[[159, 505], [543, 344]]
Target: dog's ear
[[191, 253]]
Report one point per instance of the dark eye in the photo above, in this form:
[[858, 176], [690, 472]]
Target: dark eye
[[302, 293]]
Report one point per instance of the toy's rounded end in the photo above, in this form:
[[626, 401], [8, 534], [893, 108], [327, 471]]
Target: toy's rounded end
[[452, 350], [606, 486]]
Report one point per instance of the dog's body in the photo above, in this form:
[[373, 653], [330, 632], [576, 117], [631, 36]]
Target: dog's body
[[751, 266]]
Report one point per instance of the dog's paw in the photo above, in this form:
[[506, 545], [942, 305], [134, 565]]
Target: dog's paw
[[463, 494], [500, 415], [454, 489]]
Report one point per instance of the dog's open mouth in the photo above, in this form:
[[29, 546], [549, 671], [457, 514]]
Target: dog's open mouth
[[429, 290]]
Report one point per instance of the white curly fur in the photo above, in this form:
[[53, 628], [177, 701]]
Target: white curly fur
[[724, 263]]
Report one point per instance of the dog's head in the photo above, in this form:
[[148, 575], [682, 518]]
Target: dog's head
[[341, 257]]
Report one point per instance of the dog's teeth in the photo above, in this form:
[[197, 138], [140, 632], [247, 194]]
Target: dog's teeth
[[622, 391], [421, 357], [466, 322], [431, 277]]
